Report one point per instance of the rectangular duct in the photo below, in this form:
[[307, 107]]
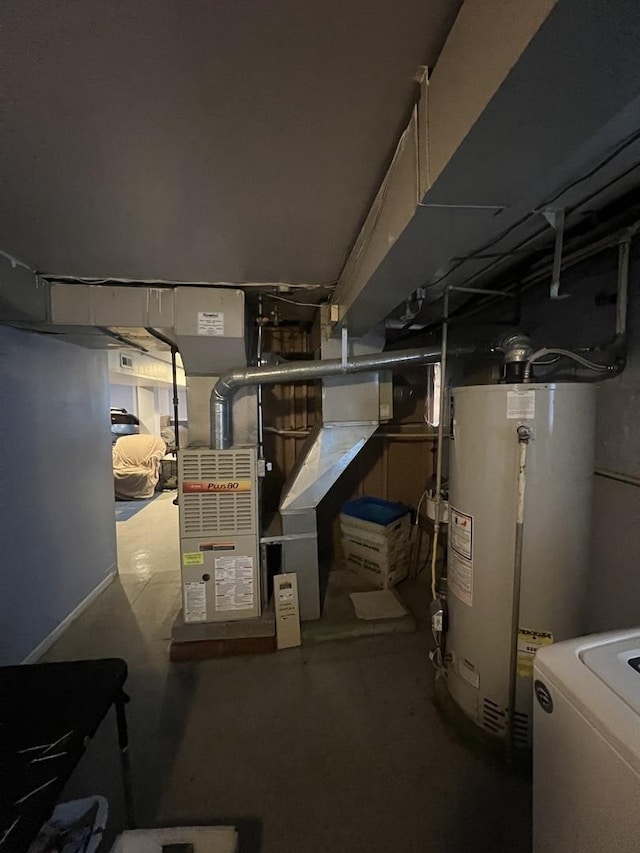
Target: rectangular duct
[[210, 329], [351, 413], [210, 332]]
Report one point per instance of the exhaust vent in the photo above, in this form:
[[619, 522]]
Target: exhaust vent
[[522, 728], [217, 513], [494, 718], [210, 465], [495, 721], [218, 492]]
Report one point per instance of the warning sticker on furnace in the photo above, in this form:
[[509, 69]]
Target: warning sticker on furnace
[[528, 644], [195, 602], [234, 583]]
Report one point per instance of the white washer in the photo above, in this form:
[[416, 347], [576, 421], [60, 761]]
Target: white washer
[[586, 753]]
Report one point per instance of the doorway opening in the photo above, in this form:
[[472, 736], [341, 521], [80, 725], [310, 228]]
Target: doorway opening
[[145, 437]]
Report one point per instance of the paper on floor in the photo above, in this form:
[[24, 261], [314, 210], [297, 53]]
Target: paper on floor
[[381, 604]]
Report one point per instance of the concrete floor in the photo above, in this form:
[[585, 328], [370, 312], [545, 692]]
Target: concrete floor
[[332, 747]]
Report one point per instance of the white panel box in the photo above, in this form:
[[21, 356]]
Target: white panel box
[[285, 594], [210, 329]]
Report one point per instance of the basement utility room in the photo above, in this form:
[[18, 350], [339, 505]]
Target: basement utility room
[[320, 393]]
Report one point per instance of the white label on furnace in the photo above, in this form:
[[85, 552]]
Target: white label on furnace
[[211, 323], [461, 533], [460, 577], [521, 404], [234, 583], [195, 602]]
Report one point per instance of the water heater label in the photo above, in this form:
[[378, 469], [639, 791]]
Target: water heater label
[[211, 323], [529, 642], [460, 577], [461, 533], [521, 405]]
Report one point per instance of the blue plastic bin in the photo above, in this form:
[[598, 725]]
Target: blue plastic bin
[[375, 510]]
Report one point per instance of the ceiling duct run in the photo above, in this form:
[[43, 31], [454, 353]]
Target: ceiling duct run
[[506, 130]]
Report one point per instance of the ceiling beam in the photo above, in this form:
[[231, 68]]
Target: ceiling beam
[[523, 103]]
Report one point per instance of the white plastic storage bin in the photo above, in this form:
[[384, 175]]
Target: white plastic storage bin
[[375, 540], [378, 543], [383, 573]]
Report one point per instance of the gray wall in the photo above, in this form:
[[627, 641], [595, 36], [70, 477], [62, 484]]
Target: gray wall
[[56, 494], [614, 589]]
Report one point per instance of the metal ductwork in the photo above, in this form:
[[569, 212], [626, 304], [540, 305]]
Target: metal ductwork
[[506, 130], [355, 398], [327, 453], [224, 390]]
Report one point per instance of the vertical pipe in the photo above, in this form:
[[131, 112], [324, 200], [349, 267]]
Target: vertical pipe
[[385, 469], [176, 402], [260, 410], [443, 409], [624, 247], [524, 436]]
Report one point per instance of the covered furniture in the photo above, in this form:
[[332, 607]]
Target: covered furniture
[[136, 466]]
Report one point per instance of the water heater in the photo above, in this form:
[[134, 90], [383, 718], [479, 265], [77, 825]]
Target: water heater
[[485, 460]]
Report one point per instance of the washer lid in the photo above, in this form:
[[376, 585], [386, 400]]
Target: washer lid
[[617, 664]]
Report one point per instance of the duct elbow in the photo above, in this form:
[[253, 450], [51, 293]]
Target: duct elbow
[[225, 387], [220, 403]]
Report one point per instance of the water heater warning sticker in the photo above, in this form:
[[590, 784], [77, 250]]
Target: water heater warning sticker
[[460, 571], [461, 533], [460, 577], [521, 405]]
